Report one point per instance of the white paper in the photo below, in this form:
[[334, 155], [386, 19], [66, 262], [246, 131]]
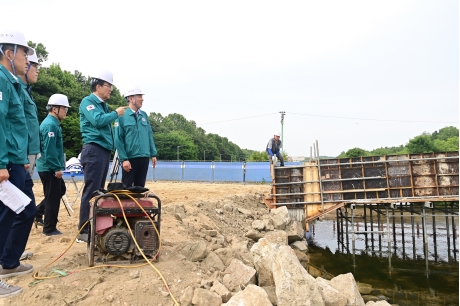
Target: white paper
[[13, 197]]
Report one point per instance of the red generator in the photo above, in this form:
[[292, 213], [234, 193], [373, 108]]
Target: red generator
[[110, 240]]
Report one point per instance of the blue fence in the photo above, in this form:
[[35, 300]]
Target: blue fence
[[203, 171]]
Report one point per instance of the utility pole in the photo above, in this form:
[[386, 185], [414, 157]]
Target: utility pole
[[178, 153], [282, 130]]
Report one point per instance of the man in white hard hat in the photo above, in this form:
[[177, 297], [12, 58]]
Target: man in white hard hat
[[30, 109], [98, 141], [134, 140], [51, 162], [33, 127], [273, 149], [15, 226]]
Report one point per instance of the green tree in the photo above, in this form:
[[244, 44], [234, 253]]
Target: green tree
[[355, 152], [258, 156], [167, 143], [445, 133], [40, 49], [420, 144], [451, 144]]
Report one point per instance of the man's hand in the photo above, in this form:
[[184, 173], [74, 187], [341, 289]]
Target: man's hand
[[26, 166], [154, 162], [121, 110], [4, 175], [127, 166], [58, 174]]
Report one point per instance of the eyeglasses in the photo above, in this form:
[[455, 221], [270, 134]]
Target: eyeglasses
[[109, 86], [35, 65], [65, 108]]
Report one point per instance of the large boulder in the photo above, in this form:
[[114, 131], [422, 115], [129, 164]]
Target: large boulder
[[204, 297], [213, 261], [346, 284], [271, 291], [195, 251], [279, 217], [254, 235], [251, 295], [278, 237], [294, 286], [300, 245], [238, 274], [331, 296], [294, 231], [263, 253], [186, 297], [258, 225], [221, 290]]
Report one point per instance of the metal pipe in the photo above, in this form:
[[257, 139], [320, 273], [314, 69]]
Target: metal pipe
[[389, 240], [346, 229], [379, 226], [293, 183], [402, 230], [353, 238], [413, 229], [453, 233], [447, 232], [434, 236], [372, 226], [355, 179], [394, 200], [319, 176], [425, 242], [393, 161]]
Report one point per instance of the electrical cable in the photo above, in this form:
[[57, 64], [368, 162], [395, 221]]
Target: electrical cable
[[336, 117], [56, 273], [238, 119]]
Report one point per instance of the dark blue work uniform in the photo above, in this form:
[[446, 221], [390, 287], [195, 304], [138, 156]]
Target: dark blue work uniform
[[14, 228]]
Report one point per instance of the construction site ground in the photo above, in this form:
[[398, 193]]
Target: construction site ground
[[142, 285]]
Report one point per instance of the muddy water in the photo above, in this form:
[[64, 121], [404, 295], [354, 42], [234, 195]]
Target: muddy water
[[401, 273]]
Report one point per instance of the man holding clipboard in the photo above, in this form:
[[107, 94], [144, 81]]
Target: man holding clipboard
[[15, 226]]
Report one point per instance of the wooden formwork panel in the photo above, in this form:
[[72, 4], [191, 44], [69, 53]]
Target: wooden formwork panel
[[386, 177], [318, 188]]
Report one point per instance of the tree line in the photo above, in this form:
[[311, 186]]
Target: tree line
[[179, 138], [175, 136], [444, 140]]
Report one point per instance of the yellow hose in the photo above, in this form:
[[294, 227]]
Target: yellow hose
[[148, 262]]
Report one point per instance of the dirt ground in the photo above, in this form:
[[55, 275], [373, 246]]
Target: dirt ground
[[203, 203]]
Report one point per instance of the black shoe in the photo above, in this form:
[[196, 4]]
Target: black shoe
[[38, 221], [53, 233]]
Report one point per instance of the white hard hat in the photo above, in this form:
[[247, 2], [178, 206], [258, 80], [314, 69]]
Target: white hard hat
[[14, 38], [133, 91], [58, 100], [277, 133], [104, 75], [33, 57]]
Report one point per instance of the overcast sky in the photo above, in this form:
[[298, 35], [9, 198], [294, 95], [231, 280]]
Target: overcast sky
[[349, 74]]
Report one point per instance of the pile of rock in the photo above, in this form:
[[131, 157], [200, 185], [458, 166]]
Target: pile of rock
[[263, 268]]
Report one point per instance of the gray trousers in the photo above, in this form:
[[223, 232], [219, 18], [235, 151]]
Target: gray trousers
[[32, 160]]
